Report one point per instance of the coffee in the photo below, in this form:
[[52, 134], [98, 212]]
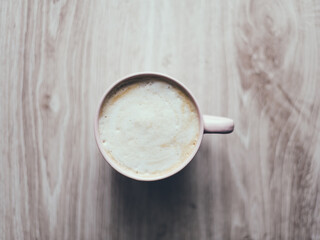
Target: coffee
[[149, 126]]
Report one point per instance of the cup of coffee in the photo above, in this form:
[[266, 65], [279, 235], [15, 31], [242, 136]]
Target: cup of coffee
[[149, 126]]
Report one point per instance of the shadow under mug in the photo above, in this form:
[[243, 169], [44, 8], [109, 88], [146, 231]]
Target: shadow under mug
[[208, 124]]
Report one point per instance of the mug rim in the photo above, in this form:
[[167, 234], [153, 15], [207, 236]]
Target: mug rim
[[113, 162]]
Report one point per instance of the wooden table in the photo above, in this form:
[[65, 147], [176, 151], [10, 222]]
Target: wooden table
[[254, 61]]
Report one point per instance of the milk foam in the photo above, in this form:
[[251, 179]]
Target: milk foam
[[149, 127]]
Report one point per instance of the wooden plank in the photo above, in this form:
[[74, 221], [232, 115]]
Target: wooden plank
[[254, 61]]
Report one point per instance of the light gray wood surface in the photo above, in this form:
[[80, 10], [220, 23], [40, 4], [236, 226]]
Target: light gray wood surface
[[254, 61]]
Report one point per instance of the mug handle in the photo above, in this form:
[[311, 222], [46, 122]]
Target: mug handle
[[213, 124]]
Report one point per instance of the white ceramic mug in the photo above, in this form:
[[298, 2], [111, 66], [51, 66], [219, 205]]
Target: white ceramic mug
[[208, 124]]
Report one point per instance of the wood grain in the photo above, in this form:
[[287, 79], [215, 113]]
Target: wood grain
[[254, 61]]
